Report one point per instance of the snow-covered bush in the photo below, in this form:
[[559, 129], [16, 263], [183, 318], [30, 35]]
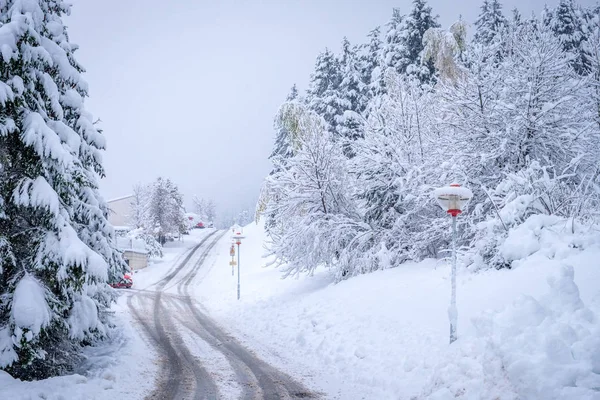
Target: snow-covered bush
[[151, 245]]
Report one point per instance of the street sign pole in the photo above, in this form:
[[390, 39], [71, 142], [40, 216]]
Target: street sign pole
[[238, 240], [238, 287]]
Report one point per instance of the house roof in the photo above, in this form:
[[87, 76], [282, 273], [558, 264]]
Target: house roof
[[119, 198]]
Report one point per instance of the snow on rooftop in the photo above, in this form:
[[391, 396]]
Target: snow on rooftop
[[119, 198]]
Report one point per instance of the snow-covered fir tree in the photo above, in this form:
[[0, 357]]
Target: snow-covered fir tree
[[323, 94], [57, 247], [372, 66], [394, 43], [490, 22], [413, 30], [352, 97], [569, 25]]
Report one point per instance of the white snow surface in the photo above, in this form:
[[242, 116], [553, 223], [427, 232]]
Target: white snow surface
[[527, 333], [123, 369]]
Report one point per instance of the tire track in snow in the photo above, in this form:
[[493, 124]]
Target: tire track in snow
[[185, 376], [181, 371]]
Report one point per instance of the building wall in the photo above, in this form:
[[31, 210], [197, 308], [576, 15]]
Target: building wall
[[136, 260], [120, 211]]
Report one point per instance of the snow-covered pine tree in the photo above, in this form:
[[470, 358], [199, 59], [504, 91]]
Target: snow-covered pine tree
[[372, 66], [57, 246], [592, 47], [490, 22], [323, 93], [516, 18], [413, 30], [569, 23], [352, 99], [394, 43]]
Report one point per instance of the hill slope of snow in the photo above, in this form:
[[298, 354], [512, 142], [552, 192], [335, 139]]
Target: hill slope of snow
[[529, 333]]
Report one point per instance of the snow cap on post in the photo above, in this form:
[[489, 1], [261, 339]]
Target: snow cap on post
[[452, 198]]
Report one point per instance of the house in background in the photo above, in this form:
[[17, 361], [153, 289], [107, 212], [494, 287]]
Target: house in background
[[120, 211], [134, 251]]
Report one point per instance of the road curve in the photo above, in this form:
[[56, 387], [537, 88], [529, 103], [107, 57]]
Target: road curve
[[183, 376]]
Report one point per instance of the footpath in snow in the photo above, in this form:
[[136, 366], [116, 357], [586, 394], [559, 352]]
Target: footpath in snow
[[525, 333]]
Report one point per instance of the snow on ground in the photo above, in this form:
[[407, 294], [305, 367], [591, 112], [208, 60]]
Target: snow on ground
[[525, 333], [125, 368], [122, 369]]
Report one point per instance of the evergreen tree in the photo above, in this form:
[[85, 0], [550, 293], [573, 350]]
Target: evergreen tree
[[57, 246], [394, 43], [352, 100], [516, 17], [414, 27], [323, 94], [371, 67], [592, 47], [568, 23], [490, 22]]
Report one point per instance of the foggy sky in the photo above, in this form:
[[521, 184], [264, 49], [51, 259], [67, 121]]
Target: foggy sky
[[188, 89]]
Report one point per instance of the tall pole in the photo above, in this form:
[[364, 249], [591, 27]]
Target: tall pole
[[238, 288], [452, 311]]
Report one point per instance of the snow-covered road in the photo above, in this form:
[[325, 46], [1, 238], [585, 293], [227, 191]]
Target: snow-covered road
[[199, 360]]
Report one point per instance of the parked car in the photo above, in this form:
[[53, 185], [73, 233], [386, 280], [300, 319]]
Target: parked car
[[125, 282], [200, 225]]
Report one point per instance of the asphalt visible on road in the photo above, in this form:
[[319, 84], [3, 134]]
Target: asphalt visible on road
[[163, 316]]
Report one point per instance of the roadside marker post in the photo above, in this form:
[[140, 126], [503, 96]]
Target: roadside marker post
[[232, 262], [238, 240]]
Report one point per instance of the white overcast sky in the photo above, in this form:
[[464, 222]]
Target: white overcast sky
[[188, 89]]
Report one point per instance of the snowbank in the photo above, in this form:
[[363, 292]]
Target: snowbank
[[385, 335], [124, 368]]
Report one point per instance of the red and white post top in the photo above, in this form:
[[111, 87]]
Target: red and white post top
[[453, 198]]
